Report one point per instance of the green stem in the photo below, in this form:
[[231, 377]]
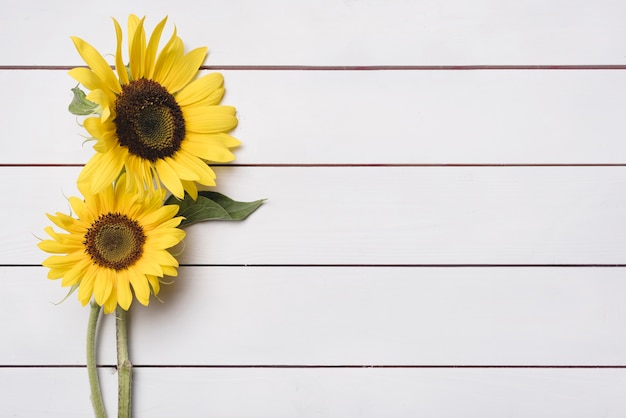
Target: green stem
[[92, 371], [124, 366]]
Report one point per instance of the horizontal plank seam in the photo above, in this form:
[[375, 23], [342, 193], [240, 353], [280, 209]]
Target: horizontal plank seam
[[412, 265], [394, 265], [355, 165], [477, 67], [326, 366]]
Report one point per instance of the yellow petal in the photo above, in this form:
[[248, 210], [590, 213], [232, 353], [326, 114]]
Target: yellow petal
[[97, 129], [182, 170], [191, 188], [209, 149], [98, 65], [54, 274], [154, 284], [103, 285], [87, 78], [165, 238], [104, 201], [167, 259], [158, 216], [138, 51], [213, 99], [171, 52], [153, 45], [200, 89], [98, 96], [55, 247], [171, 226], [170, 271], [85, 290], [141, 171], [65, 262], [64, 221], [111, 303], [210, 119], [133, 22], [53, 234], [184, 70], [207, 176], [82, 211], [124, 295], [104, 132], [69, 242], [167, 175], [146, 265], [76, 273], [140, 286], [101, 170], [119, 60], [225, 139]]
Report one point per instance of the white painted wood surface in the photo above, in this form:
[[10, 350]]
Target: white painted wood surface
[[379, 215], [374, 117], [309, 393], [437, 242], [344, 316], [334, 32]]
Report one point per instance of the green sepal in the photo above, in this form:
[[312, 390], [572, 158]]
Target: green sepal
[[80, 106], [212, 206]]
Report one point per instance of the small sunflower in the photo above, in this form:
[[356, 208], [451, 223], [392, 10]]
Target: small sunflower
[[157, 122], [118, 240]]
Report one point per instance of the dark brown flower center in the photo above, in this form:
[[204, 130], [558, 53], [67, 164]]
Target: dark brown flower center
[[148, 120], [114, 241]]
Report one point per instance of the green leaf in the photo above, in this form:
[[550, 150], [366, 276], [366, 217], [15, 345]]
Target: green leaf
[[212, 206], [80, 105]]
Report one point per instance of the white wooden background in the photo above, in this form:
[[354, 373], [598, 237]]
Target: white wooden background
[[446, 229]]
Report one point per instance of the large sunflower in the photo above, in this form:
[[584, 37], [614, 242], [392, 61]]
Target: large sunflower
[[118, 240], [157, 123]]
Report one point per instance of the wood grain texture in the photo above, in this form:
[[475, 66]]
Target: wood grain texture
[[431, 168], [370, 117], [376, 215], [334, 32], [252, 393], [337, 316]]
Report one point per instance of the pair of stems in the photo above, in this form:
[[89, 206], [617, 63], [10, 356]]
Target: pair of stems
[[124, 366]]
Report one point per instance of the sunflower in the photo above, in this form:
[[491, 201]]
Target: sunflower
[[157, 121], [118, 240]]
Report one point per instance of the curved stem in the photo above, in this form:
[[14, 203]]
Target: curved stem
[[124, 366], [92, 371]]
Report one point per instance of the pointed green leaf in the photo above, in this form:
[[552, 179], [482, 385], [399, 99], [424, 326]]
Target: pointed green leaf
[[212, 206], [237, 210], [80, 105]]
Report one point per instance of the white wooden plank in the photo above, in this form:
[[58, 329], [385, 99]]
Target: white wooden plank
[[42, 331], [374, 215], [333, 32], [341, 393], [367, 117], [50, 392], [349, 215], [336, 316]]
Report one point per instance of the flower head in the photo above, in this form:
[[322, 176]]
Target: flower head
[[158, 122], [118, 241]]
